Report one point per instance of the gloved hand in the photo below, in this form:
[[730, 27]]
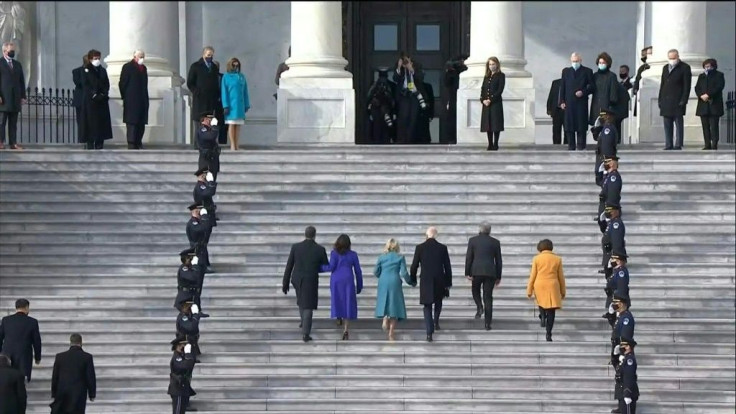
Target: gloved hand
[[617, 350], [627, 400], [602, 217], [195, 260], [285, 289], [202, 211], [213, 122], [447, 292], [195, 310], [209, 177], [188, 348], [621, 358], [610, 309]]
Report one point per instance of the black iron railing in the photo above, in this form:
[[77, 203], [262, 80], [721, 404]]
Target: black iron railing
[[730, 120], [48, 117]]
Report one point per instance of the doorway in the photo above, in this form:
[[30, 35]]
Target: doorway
[[376, 32]]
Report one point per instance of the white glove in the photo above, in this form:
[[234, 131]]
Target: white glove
[[602, 217], [202, 211], [195, 310], [601, 169], [605, 172], [610, 310], [188, 348], [627, 400], [616, 349], [209, 177], [195, 260], [213, 122], [621, 358]]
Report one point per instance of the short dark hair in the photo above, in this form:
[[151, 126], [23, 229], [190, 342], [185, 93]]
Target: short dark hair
[[545, 244], [605, 56], [310, 232], [22, 303], [625, 66], [342, 244], [75, 339], [92, 53], [712, 62]]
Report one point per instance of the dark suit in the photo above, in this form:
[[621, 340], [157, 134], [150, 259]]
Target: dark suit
[[78, 97], [484, 264], [133, 86], [18, 335], [436, 277], [12, 91], [73, 379], [709, 112], [302, 270], [674, 91], [557, 113], [13, 397]]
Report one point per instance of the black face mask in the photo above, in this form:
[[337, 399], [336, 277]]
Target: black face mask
[[614, 264], [11, 54], [616, 307], [623, 75]]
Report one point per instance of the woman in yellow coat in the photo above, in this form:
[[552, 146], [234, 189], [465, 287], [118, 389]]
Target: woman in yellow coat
[[547, 283]]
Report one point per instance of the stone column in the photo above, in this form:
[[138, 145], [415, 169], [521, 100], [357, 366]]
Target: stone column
[[316, 100], [154, 28], [496, 29], [674, 25]]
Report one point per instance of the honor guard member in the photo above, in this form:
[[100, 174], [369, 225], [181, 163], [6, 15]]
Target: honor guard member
[[180, 378], [624, 326], [189, 281], [204, 190], [187, 325], [610, 189], [627, 388], [618, 281], [198, 229], [209, 148], [606, 134], [613, 237]]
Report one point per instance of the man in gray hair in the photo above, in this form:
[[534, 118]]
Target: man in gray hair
[[483, 265], [674, 91], [436, 277], [134, 92]]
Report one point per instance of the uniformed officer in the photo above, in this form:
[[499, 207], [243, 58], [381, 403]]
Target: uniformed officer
[[606, 134], [624, 326], [613, 237], [618, 281], [627, 388], [204, 190], [187, 325], [610, 189], [180, 378], [198, 230], [189, 281], [209, 148]]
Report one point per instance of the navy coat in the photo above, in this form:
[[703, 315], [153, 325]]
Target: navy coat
[[674, 90], [133, 86], [436, 276], [576, 111], [19, 335]]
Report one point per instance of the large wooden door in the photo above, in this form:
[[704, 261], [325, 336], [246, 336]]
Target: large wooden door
[[430, 32]]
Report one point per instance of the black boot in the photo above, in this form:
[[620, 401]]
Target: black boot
[[495, 141], [542, 318], [479, 312]]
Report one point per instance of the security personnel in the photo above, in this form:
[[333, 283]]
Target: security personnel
[[189, 281], [187, 325], [198, 230], [605, 134], [180, 378], [610, 189], [624, 326], [204, 190], [627, 388], [613, 237], [209, 148], [618, 281]]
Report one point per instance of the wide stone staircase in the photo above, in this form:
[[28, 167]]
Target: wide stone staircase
[[92, 240]]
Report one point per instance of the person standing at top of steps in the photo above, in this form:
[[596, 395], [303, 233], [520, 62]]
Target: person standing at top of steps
[[204, 190], [436, 277], [180, 378], [18, 336], [187, 325], [624, 326], [302, 270], [189, 281], [627, 389], [199, 228], [73, 379], [610, 190], [618, 281], [209, 148], [483, 267], [12, 388]]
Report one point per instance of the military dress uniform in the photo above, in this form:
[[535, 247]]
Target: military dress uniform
[[629, 386], [612, 240], [198, 231], [606, 135], [610, 193], [209, 148], [618, 281], [203, 193], [187, 325], [624, 327], [180, 377], [188, 281]]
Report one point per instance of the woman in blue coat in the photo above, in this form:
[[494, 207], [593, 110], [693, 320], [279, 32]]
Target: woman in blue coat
[[346, 274], [390, 270], [235, 101]]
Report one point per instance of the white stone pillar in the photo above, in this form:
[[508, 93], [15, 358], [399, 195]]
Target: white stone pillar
[[674, 25], [316, 100], [496, 29], [154, 28]]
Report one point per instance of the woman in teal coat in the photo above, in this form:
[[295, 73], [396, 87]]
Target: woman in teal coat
[[235, 101], [390, 269]]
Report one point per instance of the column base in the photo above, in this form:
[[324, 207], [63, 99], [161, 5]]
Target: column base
[[315, 110], [518, 97]]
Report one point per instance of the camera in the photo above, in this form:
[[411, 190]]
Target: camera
[[456, 64], [420, 98]]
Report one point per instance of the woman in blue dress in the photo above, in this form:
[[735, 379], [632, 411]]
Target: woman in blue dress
[[346, 275], [235, 100], [390, 270]]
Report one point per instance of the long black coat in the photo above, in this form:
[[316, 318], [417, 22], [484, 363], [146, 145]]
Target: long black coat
[[77, 96], [133, 86], [12, 86], [576, 109], [674, 90], [72, 380], [605, 94], [711, 84], [483, 257], [302, 269], [553, 98], [95, 105], [204, 83], [19, 336], [491, 119], [423, 135], [13, 397], [436, 276]]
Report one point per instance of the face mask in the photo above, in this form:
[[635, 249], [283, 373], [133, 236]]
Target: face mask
[[493, 68], [673, 62], [208, 60], [236, 68], [614, 264], [11, 54], [140, 61], [96, 62], [708, 70], [602, 66], [576, 65], [623, 75]]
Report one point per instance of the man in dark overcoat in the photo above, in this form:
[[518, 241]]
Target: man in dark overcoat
[[97, 125], [20, 338], [78, 94], [576, 84], [674, 91], [12, 388], [436, 278], [556, 113], [203, 80], [73, 379], [302, 271], [12, 95], [133, 86]]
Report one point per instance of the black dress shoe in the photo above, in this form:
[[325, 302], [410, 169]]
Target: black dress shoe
[[543, 322], [479, 313], [300, 324], [306, 338], [488, 327], [197, 361], [429, 338], [616, 411], [209, 269], [677, 148], [706, 148], [549, 337], [437, 326], [668, 148]]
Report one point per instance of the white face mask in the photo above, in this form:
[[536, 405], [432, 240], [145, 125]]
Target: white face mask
[[140, 61], [96, 62], [673, 62]]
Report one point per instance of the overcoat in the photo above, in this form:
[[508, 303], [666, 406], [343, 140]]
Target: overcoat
[[133, 86], [235, 95], [391, 270], [12, 391], [12, 86], [576, 109], [547, 280], [711, 84], [436, 276], [302, 271], [605, 94], [21, 341], [491, 118], [674, 90], [72, 380], [204, 83], [95, 108]]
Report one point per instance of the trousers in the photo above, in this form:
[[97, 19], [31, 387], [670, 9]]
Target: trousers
[[134, 135], [710, 131], [306, 315], [558, 118], [406, 119], [431, 320], [487, 283], [581, 136], [179, 403], [630, 409], [11, 120], [669, 123]]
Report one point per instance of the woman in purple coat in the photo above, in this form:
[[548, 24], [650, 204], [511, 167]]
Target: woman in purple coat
[[346, 274]]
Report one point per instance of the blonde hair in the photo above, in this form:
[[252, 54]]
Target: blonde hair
[[229, 64], [392, 245]]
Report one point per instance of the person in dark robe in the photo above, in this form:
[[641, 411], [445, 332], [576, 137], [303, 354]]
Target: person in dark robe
[[576, 84], [97, 126], [133, 86], [409, 80], [380, 108], [283, 67], [203, 80], [73, 379], [425, 117], [605, 91], [451, 82], [557, 113], [77, 94], [709, 90], [491, 118]]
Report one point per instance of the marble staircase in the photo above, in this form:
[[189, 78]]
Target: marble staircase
[[92, 240]]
